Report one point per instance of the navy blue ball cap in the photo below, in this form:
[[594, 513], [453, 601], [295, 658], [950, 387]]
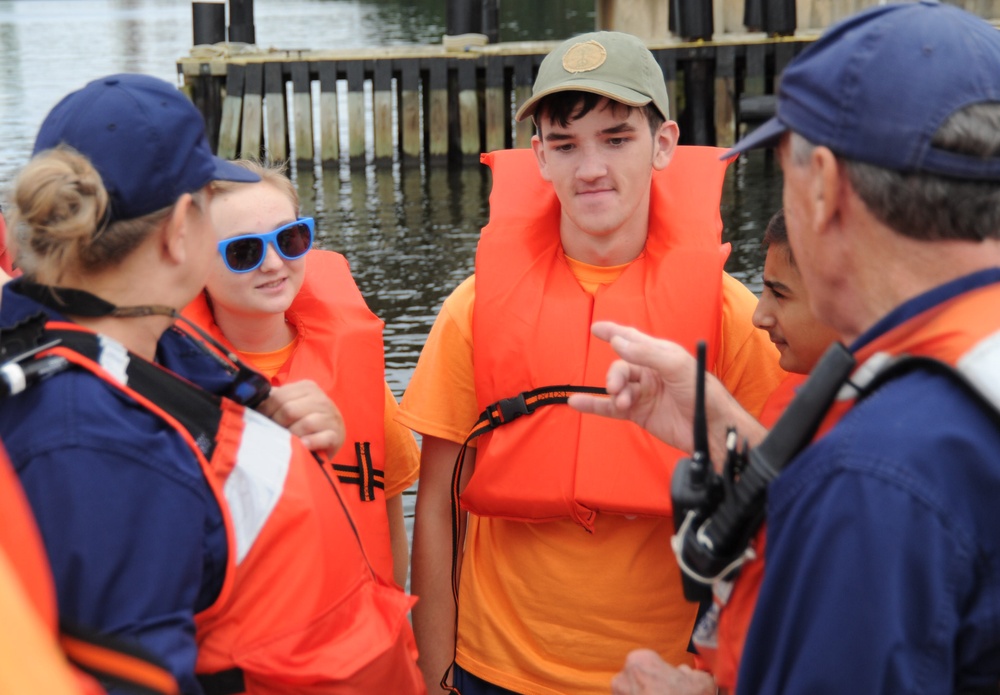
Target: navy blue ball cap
[[877, 86], [144, 137]]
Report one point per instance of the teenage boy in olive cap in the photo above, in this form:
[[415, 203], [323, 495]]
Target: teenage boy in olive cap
[[883, 557], [565, 564]]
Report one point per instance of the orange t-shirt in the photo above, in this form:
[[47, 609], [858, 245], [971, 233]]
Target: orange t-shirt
[[547, 608], [402, 458]]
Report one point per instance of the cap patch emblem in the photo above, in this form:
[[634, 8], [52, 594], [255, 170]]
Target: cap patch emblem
[[584, 57]]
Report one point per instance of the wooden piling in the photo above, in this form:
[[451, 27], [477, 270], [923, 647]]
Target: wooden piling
[[274, 108], [438, 107], [356, 112], [497, 105], [329, 116], [302, 111], [232, 112], [382, 87], [252, 117], [468, 110], [409, 118]]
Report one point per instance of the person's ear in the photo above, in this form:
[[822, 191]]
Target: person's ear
[[177, 228], [539, 148], [827, 187], [664, 144]]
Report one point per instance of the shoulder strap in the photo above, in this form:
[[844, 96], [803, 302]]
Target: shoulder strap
[[904, 364], [196, 409], [116, 663]]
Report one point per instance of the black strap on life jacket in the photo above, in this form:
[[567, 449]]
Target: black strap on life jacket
[[363, 474], [496, 415], [228, 682], [116, 663], [196, 409]]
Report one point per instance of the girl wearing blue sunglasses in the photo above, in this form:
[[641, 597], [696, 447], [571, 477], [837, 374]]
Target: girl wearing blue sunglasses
[[297, 314]]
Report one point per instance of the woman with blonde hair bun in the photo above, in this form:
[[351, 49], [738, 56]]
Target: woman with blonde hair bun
[[178, 512]]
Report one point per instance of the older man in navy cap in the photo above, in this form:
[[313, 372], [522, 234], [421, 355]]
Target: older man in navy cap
[[883, 557]]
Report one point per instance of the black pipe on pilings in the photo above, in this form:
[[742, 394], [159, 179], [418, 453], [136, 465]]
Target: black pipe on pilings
[[208, 22], [779, 17], [241, 27], [462, 17], [775, 17], [491, 20], [691, 19]]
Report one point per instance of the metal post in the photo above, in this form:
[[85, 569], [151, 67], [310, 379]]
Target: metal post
[[241, 28], [208, 20], [779, 17], [491, 20], [691, 19], [461, 17]]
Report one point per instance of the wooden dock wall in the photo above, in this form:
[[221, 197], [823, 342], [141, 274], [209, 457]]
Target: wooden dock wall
[[410, 104]]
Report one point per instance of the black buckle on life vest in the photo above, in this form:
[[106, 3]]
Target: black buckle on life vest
[[507, 409]]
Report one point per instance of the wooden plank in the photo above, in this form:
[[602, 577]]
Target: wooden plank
[[356, 111], [438, 107], [725, 93], [753, 83], [668, 64], [232, 111], [382, 87], [698, 88], [302, 111], [524, 78], [783, 54], [252, 116], [277, 113], [409, 120], [497, 105], [468, 110], [329, 117]]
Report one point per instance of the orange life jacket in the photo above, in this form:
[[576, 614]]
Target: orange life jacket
[[340, 348], [300, 609], [531, 328], [963, 332], [720, 634]]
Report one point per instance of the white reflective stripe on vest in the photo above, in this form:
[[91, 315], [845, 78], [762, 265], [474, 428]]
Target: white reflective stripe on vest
[[113, 358], [255, 484], [981, 366]]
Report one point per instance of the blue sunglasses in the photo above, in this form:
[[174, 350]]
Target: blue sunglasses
[[246, 252]]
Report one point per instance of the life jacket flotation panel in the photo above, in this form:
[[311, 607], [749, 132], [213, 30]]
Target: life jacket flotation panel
[[340, 348], [300, 609], [531, 328]]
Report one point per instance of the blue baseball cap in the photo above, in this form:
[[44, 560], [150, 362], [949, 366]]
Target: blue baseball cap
[[144, 137], [877, 86]]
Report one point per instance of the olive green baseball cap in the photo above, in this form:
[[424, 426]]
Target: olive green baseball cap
[[610, 63]]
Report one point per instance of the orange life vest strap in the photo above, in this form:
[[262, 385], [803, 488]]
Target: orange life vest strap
[[117, 663]]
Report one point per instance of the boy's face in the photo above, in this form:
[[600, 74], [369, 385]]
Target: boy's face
[[783, 311], [600, 166]]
